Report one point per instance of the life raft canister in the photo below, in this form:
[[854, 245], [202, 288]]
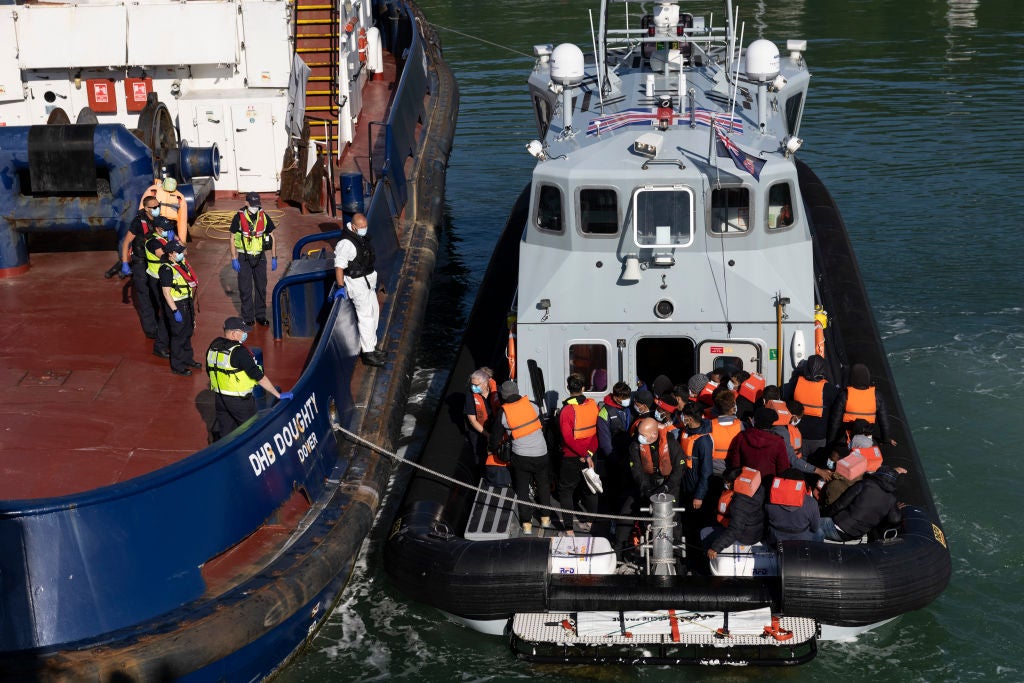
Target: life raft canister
[[788, 492]]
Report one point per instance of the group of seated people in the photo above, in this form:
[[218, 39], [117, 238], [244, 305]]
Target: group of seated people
[[749, 462]]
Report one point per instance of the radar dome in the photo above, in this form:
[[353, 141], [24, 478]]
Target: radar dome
[[567, 64], [762, 60]]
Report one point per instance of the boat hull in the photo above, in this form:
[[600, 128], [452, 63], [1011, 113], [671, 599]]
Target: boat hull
[[224, 564]]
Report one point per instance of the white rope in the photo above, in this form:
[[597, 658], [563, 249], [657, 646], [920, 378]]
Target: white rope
[[452, 480], [472, 37]]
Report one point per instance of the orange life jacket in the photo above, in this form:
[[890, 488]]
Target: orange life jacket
[[664, 456], [872, 455], [788, 492], [812, 395], [860, 405], [753, 387], [705, 394], [723, 432], [782, 410], [724, 501], [746, 484], [796, 440], [584, 420], [522, 418], [689, 442], [480, 406]]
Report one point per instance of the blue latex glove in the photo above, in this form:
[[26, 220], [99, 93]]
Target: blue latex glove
[[125, 268], [285, 395], [177, 316], [235, 265], [340, 293], [273, 263]]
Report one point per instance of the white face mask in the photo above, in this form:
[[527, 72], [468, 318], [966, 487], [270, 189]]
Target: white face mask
[[361, 232], [624, 403], [642, 440]]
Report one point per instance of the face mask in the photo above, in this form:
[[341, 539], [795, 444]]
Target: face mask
[[477, 389], [253, 209], [658, 415], [795, 421], [624, 403], [731, 385], [361, 232], [179, 257], [155, 211], [642, 440], [167, 234], [245, 335]]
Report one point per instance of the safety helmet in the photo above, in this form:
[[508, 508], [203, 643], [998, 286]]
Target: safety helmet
[[170, 184]]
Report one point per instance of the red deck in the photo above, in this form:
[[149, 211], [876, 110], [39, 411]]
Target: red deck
[[83, 401]]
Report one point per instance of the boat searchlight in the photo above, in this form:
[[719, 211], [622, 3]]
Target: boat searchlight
[[647, 145], [792, 144], [536, 149]]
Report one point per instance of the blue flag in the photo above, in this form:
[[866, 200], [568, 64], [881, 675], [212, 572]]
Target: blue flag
[[743, 161]]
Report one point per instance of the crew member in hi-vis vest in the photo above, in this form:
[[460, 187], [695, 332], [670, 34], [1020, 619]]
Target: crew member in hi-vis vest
[[251, 241]]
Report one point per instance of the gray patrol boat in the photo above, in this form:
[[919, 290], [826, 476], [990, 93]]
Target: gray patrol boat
[[669, 229]]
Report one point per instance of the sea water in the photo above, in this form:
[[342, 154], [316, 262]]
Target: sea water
[[913, 122]]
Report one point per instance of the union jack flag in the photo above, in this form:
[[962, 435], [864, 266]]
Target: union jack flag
[[743, 161], [649, 117]]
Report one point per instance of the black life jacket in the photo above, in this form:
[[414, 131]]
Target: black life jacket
[[363, 263]]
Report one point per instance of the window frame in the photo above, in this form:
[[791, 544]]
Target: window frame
[[578, 206], [663, 188], [768, 206], [603, 343], [537, 204], [751, 211]]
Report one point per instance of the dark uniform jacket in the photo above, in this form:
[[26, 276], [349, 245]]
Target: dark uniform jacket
[[746, 521], [865, 505]]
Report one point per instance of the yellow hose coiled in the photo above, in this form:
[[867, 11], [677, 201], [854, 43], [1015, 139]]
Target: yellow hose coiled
[[217, 224]]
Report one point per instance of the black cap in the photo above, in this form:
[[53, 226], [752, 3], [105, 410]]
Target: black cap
[[236, 323], [645, 397], [252, 199], [173, 246]]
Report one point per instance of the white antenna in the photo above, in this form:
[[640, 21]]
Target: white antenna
[[730, 35], [736, 79]]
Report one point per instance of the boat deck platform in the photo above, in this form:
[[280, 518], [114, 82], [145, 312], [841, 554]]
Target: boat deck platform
[[663, 637], [84, 402]]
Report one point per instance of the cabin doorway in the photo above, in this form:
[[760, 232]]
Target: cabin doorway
[[669, 356]]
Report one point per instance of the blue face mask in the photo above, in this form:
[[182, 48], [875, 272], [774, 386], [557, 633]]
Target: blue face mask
[[245, 335], [361, 232], [477, 389], [167, 234], [179, 257], [155, 211]]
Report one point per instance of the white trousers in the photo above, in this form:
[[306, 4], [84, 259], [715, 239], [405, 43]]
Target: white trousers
[[363, 293]]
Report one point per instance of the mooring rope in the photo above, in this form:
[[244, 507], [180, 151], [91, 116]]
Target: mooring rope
[[452, 480], [478, 38]]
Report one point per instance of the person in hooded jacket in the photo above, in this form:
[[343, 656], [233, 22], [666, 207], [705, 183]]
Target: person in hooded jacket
[[864, 506], [867, 404], [746, 519], [759, 448], [811, 387], [793, 522]]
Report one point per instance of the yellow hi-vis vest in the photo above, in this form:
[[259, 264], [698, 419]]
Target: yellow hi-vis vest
[[225, 378], [250, 238], [183, 281], [153, 261]]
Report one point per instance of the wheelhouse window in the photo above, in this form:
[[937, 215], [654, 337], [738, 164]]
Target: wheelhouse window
[[549, 208], [730, 210], [730, 355], [543, 111], [794, 108], [780, 206], [663, 217], [599, 211], [589, 359]]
